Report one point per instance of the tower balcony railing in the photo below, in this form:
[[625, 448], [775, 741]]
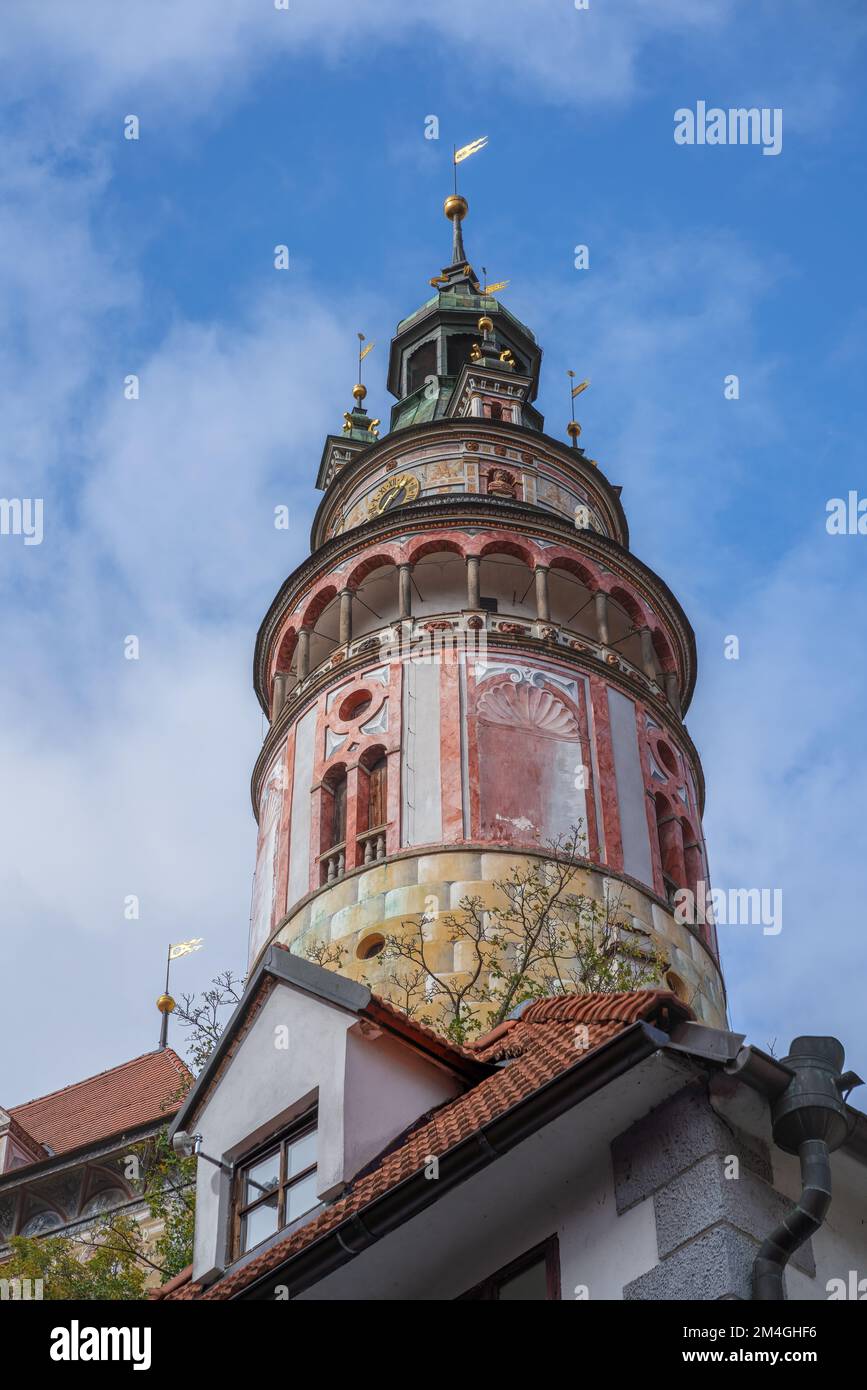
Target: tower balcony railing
[[467, 630], [333, 863], [371, 845]]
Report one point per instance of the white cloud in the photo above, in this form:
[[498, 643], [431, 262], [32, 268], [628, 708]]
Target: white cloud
[[132, 777], [171, 57], [787, 778]]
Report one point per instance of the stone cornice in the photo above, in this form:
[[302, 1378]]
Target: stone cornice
[[477, 431], [467, 509], [528, 649]]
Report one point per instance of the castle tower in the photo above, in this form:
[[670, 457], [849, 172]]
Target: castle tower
[[396, 777]]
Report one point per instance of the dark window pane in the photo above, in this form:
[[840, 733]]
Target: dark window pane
[[338, 815], [530, 1284], [458, 347], [422, 364]]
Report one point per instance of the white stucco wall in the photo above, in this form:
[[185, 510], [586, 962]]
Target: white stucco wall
[[369, 1087], [559, 1182]]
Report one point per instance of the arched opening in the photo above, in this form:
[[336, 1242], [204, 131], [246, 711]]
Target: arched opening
[[377, 794], [663, 652], [439, 583], [571, 599], [458, 347], [693, 857], [333, 824], [421, 364], [669, 831], [507, 581], [322, 618], [624, 621], [375, 603], [372, 818]]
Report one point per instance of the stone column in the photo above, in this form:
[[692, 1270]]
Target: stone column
[[671, 691], [303, 653], [473, 578], [278, 693], [345, 634], [648, 655], [601, 601], [543, 611], [405, 590]]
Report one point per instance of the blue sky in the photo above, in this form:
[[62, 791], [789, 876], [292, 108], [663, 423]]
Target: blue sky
[[306, 127]]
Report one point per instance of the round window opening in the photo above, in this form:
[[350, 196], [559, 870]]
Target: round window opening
[[677, 986], [667, 757], [370, 947], [354, 705]]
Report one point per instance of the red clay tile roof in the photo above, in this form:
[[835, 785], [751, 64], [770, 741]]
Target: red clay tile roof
[[114, 1101], [538, 1046]]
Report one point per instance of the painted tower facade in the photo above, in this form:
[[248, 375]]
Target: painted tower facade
[[470, 663]]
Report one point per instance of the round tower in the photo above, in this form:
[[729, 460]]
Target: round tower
[[470, 663]]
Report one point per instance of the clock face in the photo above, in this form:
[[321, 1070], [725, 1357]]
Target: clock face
[[393, 498], [393, 493]]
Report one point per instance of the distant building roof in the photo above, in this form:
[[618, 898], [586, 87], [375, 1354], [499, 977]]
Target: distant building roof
[[122, 1098]]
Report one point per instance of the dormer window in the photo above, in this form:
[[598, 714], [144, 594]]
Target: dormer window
[[276, 1185]]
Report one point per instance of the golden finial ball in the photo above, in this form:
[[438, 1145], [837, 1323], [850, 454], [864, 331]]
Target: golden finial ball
[[455, 206], [573, 429], [166, 1004], [359, 392], [485, 325]]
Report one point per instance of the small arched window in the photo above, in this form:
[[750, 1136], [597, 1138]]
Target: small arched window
[[670, 847], [421, 365], [377, 794], [458, 348], [338, 810]]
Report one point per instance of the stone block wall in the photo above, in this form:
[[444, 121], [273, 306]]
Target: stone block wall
[[709, 1223]]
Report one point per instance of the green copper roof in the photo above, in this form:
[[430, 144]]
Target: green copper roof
[[482, 303], [421, 406]]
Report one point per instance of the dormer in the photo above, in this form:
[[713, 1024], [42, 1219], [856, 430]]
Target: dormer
[[313, 1077], [18, 1149]]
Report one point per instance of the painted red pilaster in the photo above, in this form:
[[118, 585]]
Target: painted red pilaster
[[451, 792], [607, 776], [355, 780], [392, 835], [285, 832]]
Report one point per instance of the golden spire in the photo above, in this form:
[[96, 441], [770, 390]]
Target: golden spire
[[456, 208], [359, 393], [573, 429]]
